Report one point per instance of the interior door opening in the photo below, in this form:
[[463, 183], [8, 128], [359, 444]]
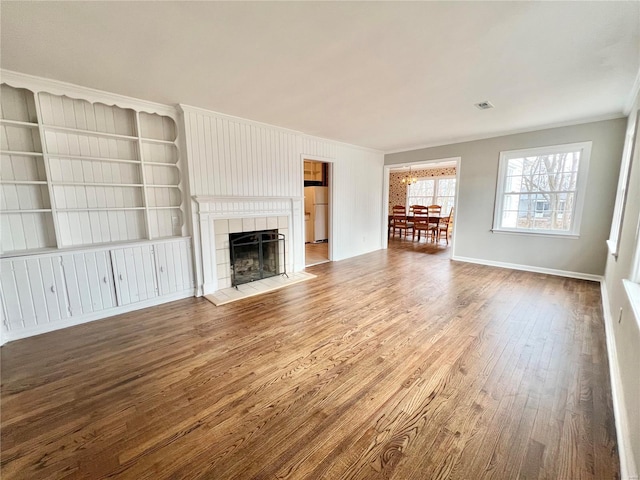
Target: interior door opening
[[429, 188], [316, 212]]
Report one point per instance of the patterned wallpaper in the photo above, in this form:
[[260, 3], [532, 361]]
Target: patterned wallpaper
[[398, 190]]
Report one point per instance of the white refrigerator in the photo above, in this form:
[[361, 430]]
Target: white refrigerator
[[316, 208]]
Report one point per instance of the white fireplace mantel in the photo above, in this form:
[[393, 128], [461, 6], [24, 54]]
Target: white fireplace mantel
[[208, 244]]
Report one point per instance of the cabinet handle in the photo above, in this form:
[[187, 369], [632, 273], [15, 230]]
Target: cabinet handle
[[104, 279], [120, 277], [53, 289], [162, 269]]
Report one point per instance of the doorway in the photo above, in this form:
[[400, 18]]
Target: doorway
[[426, 183], [316, 211]]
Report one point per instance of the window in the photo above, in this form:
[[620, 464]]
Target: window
[[541, 190], [433, 191], [623, 184]]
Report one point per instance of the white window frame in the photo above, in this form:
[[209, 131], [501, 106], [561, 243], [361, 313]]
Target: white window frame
[[623, 185], [435, 189], [580, 192]]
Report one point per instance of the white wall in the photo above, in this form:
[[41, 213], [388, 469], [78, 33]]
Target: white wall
[[624, 326], [229, 158], [584, 256]]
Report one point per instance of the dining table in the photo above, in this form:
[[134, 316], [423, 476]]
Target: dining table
[[432, 219]]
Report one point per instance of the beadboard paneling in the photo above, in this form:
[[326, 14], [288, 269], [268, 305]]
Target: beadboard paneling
[[75, 113], [357, 207], [236, 158], [26, 231], [231, 157]]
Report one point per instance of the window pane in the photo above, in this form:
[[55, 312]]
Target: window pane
[[539, 191], [446, 187], [422, 188], [509, 219]]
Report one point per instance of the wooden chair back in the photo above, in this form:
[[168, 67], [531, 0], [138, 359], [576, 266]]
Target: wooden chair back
[[399, 210]]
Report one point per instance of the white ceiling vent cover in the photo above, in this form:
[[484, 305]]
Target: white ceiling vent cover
[[486, 105]]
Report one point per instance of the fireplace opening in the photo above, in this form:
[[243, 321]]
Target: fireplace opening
[[256, 255]]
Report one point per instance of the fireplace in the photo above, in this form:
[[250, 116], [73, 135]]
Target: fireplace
[[256, 255]]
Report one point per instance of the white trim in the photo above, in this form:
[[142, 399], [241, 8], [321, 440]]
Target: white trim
[[53, 252], [537, 233], [628, 469], [488, 136], [56, 87], [580, 189], [529, 268], [331, 221], [214, 198], [8, 336], [633, 294], [628, 152]]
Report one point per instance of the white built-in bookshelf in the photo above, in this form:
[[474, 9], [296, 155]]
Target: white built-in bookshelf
[[76, 172], [92, 219]]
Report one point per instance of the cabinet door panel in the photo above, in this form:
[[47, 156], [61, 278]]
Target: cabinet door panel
[[161, 265], [75, 275], [149, 286], [55, 288], [173, 260], [16, 312], [33, 292], [135, 274], [121, 279], [89, 281], [25, 294], [37, 291], [105, 278]]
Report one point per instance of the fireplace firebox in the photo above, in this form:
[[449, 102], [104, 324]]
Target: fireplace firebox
[[256, 255]]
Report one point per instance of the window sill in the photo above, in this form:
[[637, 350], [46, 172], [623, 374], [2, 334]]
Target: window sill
[[536, 234], [633, 293]]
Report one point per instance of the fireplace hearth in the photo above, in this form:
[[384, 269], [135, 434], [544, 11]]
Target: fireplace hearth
[[256, 255]]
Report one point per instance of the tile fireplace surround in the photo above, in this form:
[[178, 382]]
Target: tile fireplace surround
[[216, 217], [224, 227]]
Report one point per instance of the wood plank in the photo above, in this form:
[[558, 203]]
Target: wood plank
[[397, 364]]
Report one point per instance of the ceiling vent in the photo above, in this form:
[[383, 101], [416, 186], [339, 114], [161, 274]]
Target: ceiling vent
[[486, 105]]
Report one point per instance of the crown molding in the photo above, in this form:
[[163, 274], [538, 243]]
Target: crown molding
[[56, 87]]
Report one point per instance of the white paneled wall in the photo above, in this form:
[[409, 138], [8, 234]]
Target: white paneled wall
[[232, 158]]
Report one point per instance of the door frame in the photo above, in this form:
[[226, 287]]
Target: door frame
[[330, 174], [385, 196]]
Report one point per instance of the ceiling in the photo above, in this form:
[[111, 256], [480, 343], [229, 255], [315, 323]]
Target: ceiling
[[385, 75]]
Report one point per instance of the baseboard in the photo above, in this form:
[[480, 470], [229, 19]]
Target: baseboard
[[529, 268], [628, 470], [8, 336]]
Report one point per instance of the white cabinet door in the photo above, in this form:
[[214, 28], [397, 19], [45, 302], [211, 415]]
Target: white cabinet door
[[33, 292], [89, 281], [135, 274], [173, 263]]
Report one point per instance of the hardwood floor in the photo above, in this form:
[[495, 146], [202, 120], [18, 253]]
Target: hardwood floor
[[398, 364], [315, 253]]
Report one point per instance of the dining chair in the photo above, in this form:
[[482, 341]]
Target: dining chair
[[421, 222], [446, 226], [399, 221], [433, 212], [412, 208]]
